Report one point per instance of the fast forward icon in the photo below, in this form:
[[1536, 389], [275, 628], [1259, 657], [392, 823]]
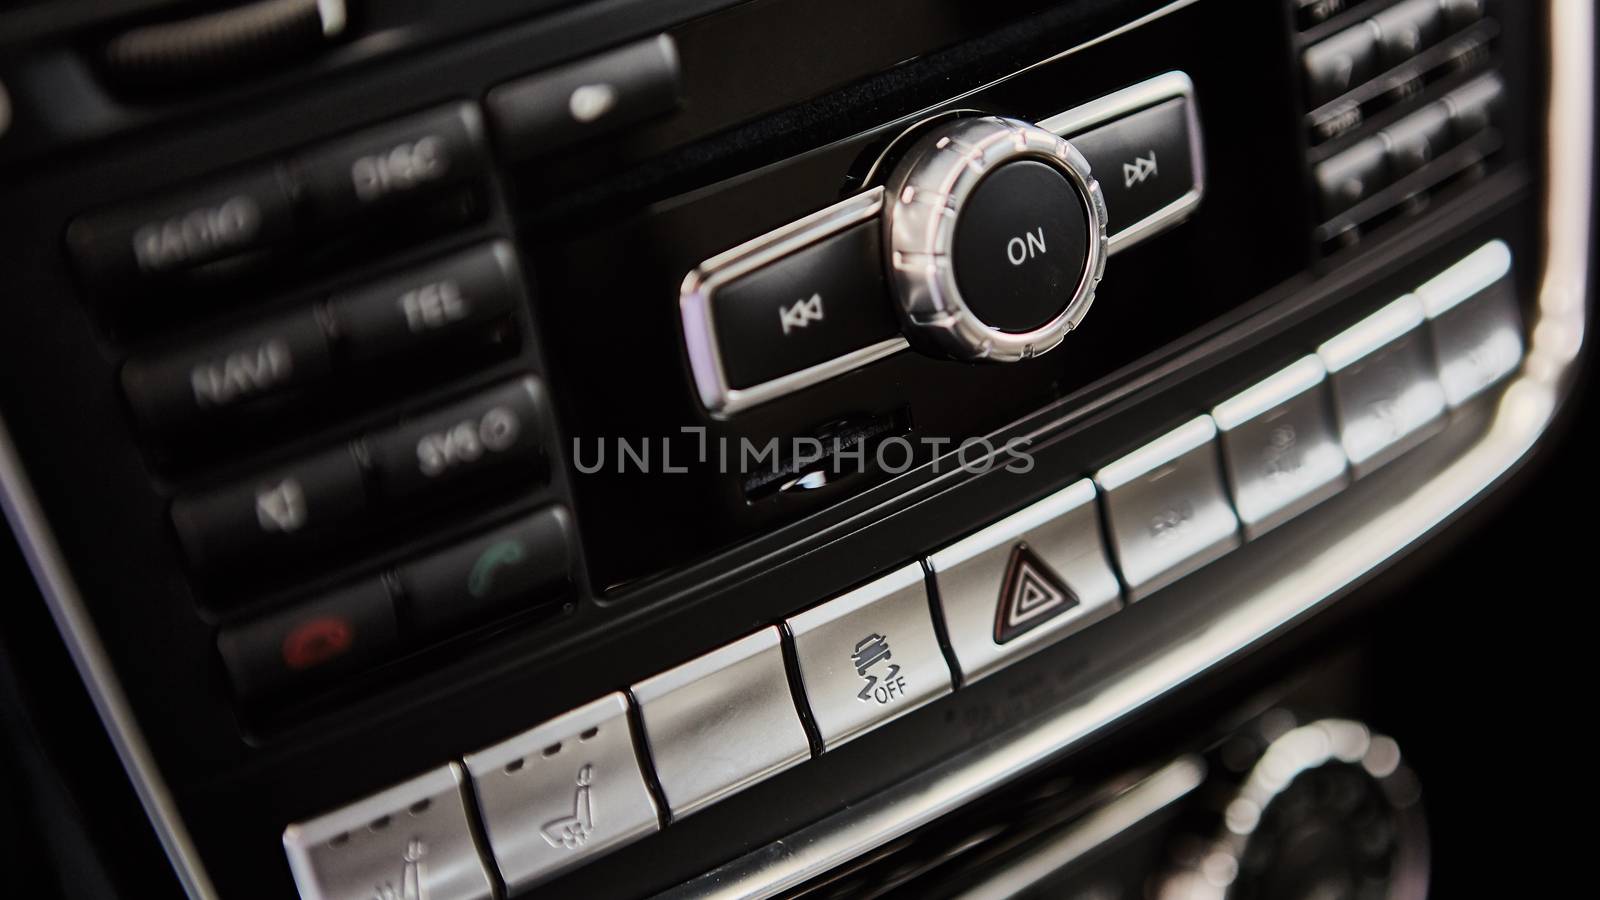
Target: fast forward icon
[[1030, 595]]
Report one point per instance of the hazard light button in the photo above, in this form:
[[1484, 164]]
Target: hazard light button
[[1026, 581]]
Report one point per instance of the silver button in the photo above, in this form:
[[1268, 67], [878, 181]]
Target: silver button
[[1167, 509], [1281, 448], [562, 793], [411, 840], [1476, 326], [1385, 390], [869, 656], [718, 724], [1026, 581]]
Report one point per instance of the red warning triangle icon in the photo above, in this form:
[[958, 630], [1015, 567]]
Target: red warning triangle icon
[[1030, 595]]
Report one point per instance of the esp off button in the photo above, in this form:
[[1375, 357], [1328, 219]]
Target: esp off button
[[499, 432]]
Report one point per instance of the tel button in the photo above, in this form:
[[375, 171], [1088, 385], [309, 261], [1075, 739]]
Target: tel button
[[312, 641], [805, 309], [471, 580], [500, 432]]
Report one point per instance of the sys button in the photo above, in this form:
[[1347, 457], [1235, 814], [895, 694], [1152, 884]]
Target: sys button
[[805, 309]]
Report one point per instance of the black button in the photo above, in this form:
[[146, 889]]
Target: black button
[[221, 376], [1408, 28], [1143, 162], [310, 642], [1352, 176], [1418, 138], [1309, 13], [1339, 63], [1458, 14], [809, 307], [1021, 244], [523, 562], [554, 109], [500, 434], [1473, 106], [392, 166], [121, 248], [463, 296], [274, 515]]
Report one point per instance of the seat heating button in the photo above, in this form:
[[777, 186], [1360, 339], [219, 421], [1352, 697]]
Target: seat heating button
[[720, 723], [587, 99], [1167, 510], [218, 377], [1341, 62], [1026, 581], [497, 435], [462, 297], [396, 165], [1144, 162], [563, 793], [808, 308], [869, 656], [310, 642], [122, 247], [411, 840], [273, 515], [521, 563], [1476, 325], [1385, 389], [1280, 447]]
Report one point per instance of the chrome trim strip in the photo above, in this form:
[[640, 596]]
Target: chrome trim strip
[[62, 596], [700, 329], [1430, 492], [1143, 95], [1161, 789]]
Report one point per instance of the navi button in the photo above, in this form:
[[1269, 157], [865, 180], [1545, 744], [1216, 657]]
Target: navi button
[[869, 656], [563, 793]]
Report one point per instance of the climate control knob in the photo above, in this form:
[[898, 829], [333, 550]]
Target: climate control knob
[[996, 235]]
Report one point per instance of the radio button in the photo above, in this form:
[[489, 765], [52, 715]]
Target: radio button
[[473, 580], [460, 297], [502, 432], [1144, 163], [277, 514], [310, 642], [121, 247], [270, 360], [869, 656], [393, 165], [1166, 509], [810, 307]]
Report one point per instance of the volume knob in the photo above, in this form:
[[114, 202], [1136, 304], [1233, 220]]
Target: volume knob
[[996, 233]]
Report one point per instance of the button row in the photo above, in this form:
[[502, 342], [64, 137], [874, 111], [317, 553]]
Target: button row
[[499, 436], [1345, 60], [375, 619], [720, 723], [368, 176], [1359, 172], [467, 297]]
